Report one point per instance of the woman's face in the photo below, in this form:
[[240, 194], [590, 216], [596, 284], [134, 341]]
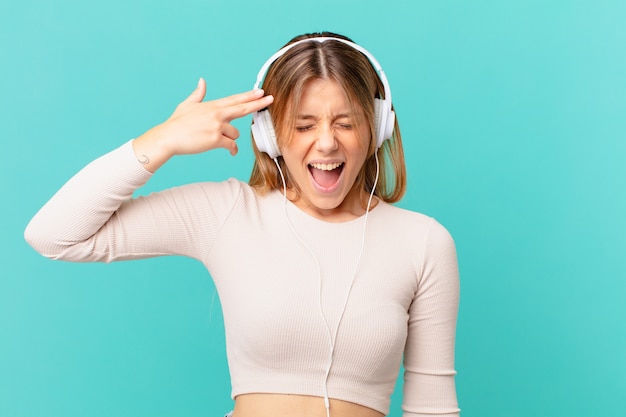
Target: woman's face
[[326, 152]]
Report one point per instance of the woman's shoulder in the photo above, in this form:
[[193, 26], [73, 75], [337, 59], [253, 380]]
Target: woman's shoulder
[[228, 194], [403, 217], [217, 196], [215, 189], [414, 223]]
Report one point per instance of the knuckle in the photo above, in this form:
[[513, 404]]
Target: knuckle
[[242, 108]]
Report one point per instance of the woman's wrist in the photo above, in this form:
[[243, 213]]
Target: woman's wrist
[[151, 149]]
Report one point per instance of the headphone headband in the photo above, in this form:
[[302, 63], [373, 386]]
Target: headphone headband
[[370, 57]]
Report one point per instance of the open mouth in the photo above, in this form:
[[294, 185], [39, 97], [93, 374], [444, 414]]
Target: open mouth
[[326, 176]]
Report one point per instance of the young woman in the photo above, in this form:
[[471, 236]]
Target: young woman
[[324, 285]]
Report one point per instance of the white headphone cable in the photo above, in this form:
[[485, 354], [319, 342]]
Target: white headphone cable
[[331, 338]]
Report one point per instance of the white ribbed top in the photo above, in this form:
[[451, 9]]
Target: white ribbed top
[[404, 299]]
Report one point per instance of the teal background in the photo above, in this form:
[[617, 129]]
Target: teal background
[[513, 115]]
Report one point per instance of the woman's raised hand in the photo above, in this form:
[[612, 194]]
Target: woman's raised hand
[[197, 126]]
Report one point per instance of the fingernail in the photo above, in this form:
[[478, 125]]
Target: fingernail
[[199, 82], [258, 92]]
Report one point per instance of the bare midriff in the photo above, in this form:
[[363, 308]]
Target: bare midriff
[[287, 405]]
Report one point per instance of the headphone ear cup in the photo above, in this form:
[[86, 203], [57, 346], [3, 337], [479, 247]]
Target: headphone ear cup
[[391, 123], [264, 134], [384, 120]]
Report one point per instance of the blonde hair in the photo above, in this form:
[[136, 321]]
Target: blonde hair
[[286, 80]]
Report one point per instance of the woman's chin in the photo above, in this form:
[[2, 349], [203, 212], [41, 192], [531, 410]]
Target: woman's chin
[[325, 202]]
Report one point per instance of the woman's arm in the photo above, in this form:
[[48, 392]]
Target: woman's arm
[[93, 218], [429, 387]]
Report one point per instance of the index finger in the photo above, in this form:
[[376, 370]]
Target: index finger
[[246, 105], [240, 98]]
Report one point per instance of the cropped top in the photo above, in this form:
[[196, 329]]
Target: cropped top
[[278, 290]]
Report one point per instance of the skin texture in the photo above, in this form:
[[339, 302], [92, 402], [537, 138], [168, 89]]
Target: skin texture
[[326, 132]]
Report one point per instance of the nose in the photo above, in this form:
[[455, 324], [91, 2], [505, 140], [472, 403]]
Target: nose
[[326, 141]]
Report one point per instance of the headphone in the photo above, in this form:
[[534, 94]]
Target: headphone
[[263, 131]]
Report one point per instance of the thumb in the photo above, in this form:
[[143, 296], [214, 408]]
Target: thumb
[[198, 94]]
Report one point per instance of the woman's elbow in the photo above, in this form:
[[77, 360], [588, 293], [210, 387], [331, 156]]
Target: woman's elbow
[[41, 242]]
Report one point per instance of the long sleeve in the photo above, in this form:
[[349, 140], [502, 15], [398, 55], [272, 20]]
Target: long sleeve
[[429, 387], [93, 217]]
